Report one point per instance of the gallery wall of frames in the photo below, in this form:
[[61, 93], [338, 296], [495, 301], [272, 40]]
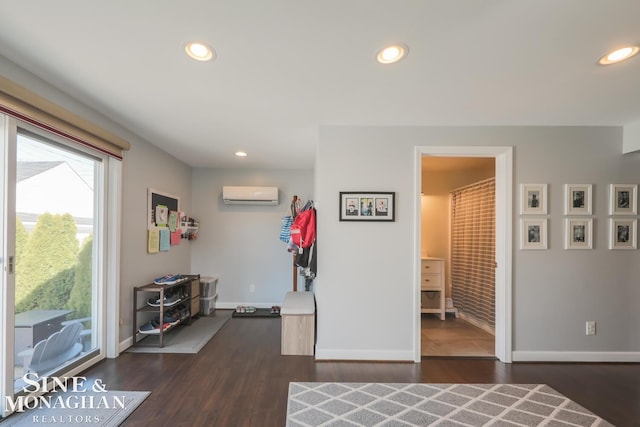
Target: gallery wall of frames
[[578, 219]]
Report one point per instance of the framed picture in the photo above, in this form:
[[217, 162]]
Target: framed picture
[[367, 206], [533, 199], [577, 199], [578, 233], [533, 233], [622, 233], [622, 199]]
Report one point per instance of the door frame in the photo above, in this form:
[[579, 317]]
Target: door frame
[[503, 156]]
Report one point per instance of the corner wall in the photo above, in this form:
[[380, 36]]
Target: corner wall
[[240, 243], [365, 289]]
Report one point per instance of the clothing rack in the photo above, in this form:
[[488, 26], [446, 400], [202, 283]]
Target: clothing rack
[[295, 209]]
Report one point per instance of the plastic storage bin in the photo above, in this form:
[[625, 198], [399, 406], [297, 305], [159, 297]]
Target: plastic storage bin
[[207, 305], [208, 286]]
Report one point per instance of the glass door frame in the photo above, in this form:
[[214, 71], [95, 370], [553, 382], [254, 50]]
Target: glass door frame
[[106, 252]]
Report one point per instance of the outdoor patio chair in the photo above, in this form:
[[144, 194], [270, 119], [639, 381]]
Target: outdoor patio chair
[[54, 351]]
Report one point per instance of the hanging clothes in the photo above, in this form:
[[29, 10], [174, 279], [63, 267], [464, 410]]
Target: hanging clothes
[[303, 236], [285, 228], [303, 229]]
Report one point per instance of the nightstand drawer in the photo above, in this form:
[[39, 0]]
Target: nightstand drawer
[[431, 267], [431, 281]]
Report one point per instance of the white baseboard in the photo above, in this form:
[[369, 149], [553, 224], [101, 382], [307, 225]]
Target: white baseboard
[[373, 355], [125, 344], [577, 356]]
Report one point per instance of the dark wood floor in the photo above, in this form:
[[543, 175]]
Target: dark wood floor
[[240, 379]]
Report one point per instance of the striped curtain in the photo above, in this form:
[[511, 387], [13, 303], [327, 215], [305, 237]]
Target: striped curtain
[[473, 252]]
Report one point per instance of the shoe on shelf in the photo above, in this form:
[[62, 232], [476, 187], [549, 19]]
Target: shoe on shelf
[[168, 301], [152, 327], [172, 317], [169, 279], [172, 300], [250, 309], [154, 302]]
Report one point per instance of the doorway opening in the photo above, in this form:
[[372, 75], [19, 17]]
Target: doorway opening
[[458, 234], [502, 157]]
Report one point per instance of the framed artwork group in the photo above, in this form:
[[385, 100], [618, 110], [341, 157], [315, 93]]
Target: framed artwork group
[[579, 220], [367, 206]]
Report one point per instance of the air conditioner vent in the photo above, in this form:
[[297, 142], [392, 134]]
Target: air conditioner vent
[[237, 195]]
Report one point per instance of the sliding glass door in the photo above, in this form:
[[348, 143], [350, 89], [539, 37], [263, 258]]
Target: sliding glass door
[[53, 243], [55, 290]]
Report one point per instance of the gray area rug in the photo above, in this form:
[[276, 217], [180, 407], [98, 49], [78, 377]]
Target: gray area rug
[[108, 409], [185, 338], [381, 404]]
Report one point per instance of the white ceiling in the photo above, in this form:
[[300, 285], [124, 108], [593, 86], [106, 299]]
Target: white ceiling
[[287, 67]]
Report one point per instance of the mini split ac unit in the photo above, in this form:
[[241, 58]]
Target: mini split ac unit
[[234, 195]]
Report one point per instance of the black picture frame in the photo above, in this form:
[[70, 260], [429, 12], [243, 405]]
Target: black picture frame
[[367, 206]]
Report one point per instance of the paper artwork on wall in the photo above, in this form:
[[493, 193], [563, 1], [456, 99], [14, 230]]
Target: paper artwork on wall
[[153, 241], [164, 239]]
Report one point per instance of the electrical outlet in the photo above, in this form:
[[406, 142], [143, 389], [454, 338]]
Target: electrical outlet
[[591, 327], [252, 288]]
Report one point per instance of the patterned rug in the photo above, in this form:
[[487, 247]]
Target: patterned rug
[[394, 405]]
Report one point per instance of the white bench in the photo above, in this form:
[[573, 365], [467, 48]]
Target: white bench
[[298, 324]]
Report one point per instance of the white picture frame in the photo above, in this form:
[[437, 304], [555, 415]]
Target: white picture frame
[[623, 199], [533, 233], [159, 204], [578, 233], [533, 199], [622, 233], [578, 199]]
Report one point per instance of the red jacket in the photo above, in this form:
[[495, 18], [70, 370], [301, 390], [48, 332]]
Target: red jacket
[[303, 229]]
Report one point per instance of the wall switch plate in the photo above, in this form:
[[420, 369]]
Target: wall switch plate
[[252, 288], [591, 327]]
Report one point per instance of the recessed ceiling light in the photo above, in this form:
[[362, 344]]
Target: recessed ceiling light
[[391, 54], [199, 51], [619, 55], [241, 154]]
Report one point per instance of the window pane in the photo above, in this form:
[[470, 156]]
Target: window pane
[[54, 285]]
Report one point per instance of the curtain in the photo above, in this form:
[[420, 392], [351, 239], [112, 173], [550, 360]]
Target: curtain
[[25, 105], [473, 252]]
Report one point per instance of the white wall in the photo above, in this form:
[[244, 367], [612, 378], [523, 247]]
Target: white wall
[[240, 243], [146, 166], [365, 288], [631, 138]]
